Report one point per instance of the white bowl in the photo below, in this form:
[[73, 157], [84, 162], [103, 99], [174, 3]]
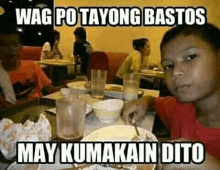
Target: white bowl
[[65, 91], [108, 110]]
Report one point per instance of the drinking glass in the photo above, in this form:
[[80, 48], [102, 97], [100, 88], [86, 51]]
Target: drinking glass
[[70, 115], [98, 81], [131, 84]]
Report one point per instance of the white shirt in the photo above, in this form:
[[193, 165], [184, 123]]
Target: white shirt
[[46, 47]]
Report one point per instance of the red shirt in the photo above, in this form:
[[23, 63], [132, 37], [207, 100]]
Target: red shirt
[[181, 120], [28, 80]]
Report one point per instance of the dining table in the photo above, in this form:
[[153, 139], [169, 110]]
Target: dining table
[[156, 74], [92, 123], [57, 64]]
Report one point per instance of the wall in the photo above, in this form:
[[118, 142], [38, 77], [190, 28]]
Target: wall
[[118, 39]]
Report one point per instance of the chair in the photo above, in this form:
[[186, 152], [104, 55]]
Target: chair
[[99, 60], [115, 62], [30, 53]]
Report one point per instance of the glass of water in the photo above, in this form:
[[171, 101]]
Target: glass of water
[[98, 81], [131, 84], [70, 115]]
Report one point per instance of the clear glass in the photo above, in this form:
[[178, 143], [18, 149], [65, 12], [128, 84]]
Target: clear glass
[[98, 81], [70, 115], [131, 84]]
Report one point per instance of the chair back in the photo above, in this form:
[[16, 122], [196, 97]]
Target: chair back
[[115, 62], [30, 53], [99, 60]]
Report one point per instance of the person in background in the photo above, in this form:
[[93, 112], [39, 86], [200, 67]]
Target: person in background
[[51, 47], [191, 62], [82, 49], [136, 60], [20, 80]]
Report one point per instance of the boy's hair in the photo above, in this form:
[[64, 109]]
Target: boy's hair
[[207, 32], [81, 33], [139, 43]]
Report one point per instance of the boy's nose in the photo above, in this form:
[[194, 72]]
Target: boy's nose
[[178, 72]]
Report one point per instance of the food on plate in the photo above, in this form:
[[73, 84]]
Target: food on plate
[[114, 88], [88, 85]]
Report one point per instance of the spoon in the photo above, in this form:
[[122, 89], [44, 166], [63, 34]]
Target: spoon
[[133, 122], [137, 137]]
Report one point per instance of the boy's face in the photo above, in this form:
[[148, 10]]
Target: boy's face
[[9, 50], [190, 68]]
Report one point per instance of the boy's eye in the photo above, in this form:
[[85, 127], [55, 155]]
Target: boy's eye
[[167, 67], [190, 57]]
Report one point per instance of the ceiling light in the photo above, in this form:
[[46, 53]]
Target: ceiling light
[[39, 33], [20, 30], [41, 5], [2, 11]]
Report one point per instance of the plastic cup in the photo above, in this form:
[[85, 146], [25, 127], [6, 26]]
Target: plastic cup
[[98, 81], [131, 84], [70, 117]]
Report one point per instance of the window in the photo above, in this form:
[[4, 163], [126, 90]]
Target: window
[[30, 35]]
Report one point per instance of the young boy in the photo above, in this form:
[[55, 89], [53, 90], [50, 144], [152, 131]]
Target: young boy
[[18, 79], [190, 59]]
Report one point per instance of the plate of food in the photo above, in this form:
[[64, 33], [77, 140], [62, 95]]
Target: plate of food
[[79, 87], [121, 133], [116, 91]]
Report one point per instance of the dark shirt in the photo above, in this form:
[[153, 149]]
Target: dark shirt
[[83, 51]]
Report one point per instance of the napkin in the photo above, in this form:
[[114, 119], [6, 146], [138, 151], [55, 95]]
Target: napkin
[[11, 132]]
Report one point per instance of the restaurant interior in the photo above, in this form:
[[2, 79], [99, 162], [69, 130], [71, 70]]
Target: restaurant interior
[[111, 46]]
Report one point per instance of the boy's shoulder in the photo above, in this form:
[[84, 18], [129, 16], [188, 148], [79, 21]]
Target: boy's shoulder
[[172, 101]]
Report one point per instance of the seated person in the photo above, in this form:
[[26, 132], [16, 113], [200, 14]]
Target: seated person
[[136, 60], [51, 48], [82, 49], [18, 79], [190, 59]]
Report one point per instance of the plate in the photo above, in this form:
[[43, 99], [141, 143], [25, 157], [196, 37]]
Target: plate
[[78, 87], [111, 91], [117, 133], [15, 166], [88, 109]]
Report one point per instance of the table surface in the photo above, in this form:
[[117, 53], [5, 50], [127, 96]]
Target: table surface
[[152, 74], [92, 122], [53, 62]]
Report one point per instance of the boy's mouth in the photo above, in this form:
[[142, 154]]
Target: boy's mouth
[[182, 88]]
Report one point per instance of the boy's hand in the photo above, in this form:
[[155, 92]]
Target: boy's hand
[[138, 107]]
